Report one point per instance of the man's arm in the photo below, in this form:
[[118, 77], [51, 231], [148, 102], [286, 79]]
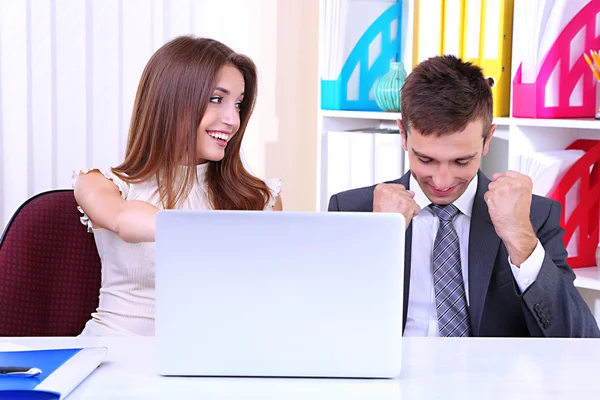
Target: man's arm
[[552, 305], [333, 203]]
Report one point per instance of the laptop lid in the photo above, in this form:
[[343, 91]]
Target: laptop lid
[[254, 293]]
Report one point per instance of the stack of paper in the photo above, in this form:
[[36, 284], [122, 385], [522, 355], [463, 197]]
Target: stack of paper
[[344, 23], [334, 30], [546, 169], [543, 21]]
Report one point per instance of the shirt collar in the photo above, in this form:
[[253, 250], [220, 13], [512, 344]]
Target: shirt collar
[[464, 203]]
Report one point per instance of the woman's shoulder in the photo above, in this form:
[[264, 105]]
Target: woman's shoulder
[[122, 185], [274, 185]]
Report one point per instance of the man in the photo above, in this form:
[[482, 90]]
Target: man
[[483, 258]]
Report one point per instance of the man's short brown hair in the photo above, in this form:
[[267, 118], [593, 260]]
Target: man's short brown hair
[[443, 94]]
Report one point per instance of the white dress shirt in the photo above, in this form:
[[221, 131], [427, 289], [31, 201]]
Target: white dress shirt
[[422, 315]]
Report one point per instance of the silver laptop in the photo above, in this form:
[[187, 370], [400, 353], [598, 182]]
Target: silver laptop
[[296, 294]]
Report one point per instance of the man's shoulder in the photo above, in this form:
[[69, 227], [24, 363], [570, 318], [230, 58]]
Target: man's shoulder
[[542, 201], [360, 199], [543, 204], [541, 208]]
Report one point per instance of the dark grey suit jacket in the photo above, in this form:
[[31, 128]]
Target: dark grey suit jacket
[[551, 306]]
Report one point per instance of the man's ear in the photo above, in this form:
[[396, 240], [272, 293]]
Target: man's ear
[[403, 134], [488, 139]]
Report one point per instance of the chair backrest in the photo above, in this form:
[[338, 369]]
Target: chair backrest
[[49, 269]]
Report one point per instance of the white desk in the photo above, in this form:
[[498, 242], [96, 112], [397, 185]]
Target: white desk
[[433, 368]]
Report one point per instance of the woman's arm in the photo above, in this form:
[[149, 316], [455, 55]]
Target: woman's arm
[[133, 220]]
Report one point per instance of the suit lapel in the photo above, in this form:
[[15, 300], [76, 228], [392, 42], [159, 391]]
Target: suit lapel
[[483, 249], [405, 180], [407, 251]]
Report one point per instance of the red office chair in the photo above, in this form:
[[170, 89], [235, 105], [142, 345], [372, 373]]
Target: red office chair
[[49, 269]]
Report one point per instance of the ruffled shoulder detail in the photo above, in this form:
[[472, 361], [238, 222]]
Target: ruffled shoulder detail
[[119, 183], [274, 186]]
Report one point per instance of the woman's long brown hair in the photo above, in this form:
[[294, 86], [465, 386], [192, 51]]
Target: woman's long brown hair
[[171, 100]]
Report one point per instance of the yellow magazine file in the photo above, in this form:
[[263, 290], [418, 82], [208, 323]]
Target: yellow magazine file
[[479, 31]]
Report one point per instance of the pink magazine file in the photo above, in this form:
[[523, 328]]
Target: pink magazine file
[[529, 98]]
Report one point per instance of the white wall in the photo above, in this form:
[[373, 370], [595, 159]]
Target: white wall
[[69, 70]]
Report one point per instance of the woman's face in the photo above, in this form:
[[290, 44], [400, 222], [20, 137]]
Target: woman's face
[[222, 117]]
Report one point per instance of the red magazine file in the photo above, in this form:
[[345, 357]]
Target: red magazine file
[[586, 215]]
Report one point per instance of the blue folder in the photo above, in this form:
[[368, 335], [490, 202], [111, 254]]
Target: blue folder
[[57, 379]]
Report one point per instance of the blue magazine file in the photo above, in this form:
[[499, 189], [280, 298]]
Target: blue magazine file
[[62, 370]]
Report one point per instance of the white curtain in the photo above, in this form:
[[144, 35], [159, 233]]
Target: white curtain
[[69, 71]]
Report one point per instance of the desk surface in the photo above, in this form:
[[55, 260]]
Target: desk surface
[[433, 368]]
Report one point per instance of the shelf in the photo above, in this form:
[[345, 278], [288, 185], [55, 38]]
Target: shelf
[[380, 115], [575, 123], [587, 278], [502, 121], [385, 116]]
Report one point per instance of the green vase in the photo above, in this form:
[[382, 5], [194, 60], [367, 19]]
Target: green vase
[[387, 88]]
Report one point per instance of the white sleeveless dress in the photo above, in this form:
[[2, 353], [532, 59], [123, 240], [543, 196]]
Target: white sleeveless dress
[[126, 304]]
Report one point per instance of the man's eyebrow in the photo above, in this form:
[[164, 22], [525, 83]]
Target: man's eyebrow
[[467, 157], [421, 154], [464, 158]]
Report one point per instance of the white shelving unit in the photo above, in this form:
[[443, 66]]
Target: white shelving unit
[[576, 123], [514, 136], [383, 116], [588, 278], [391, 116]]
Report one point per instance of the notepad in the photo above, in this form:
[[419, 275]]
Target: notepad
[[62, 371]]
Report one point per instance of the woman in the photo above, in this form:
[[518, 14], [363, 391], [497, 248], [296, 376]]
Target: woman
[[192, 107]]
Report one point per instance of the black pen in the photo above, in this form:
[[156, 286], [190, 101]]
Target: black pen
[[24, 372]]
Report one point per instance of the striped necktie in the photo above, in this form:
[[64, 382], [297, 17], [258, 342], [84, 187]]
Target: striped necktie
[[450, 298]]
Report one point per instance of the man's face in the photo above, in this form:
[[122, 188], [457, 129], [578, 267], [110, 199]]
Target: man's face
[[444, 165]]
